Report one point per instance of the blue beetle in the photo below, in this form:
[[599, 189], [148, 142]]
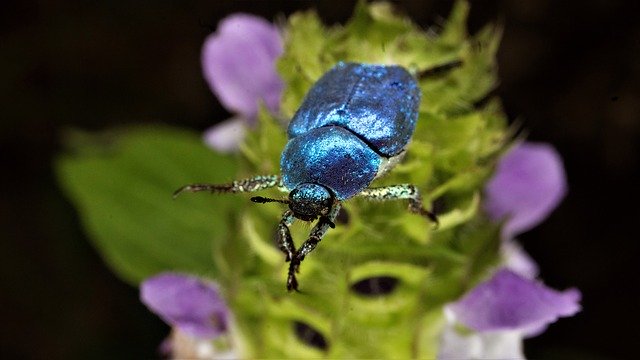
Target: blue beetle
[[352, 127]]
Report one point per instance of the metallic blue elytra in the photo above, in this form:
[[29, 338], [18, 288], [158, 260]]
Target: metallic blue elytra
[[378, 103], [352, 126]]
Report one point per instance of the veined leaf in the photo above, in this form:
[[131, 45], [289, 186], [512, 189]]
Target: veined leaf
[[121, 183]]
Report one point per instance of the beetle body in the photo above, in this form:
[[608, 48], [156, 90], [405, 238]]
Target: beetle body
[[351, 122], [353, 125]]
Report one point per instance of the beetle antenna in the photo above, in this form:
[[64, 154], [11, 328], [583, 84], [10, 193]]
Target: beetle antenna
[[264, 200]]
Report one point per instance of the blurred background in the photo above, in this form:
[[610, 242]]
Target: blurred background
[[570, 70]]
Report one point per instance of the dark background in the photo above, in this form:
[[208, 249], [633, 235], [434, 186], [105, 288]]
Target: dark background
[[569, 69]]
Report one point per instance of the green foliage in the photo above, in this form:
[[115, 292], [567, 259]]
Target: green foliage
[[122, 191], [121, 183]]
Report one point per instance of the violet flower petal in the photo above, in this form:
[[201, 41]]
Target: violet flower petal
[[186, 302], [528, 184], [239, 63], [509, 301], [227, 135], [489, 345], [517, 260]]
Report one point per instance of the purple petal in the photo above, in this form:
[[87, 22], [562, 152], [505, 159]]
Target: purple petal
[[517, 260], [227, 135], [489, 345], [509, 301], [186, 302], [528, 184], [239, 63]]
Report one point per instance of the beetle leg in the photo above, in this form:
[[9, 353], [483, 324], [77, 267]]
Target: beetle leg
[[285, 242], [256, 183], [400, 192], [317, 233]]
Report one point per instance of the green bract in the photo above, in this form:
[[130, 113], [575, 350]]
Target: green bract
[[122, 182]]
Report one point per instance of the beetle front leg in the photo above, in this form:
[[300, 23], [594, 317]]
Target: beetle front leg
[[285, 242], [317, 233], [256, 183], [399, 192]]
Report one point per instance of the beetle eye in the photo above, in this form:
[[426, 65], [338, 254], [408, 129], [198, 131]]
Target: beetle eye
[[309, 335], [375, 286]]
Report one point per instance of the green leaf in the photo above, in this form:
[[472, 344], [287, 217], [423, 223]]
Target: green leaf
[[121, 182], [262, 148], [455, 30], [304, 59]]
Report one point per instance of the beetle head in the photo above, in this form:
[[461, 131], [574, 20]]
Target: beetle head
[[308, 201]]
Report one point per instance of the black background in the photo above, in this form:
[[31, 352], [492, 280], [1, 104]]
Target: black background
[[568, 69]]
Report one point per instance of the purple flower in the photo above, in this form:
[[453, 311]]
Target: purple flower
[[509, 301], [528, 184], [190, 304], [227, 135], [517, 260], [239, 63]]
